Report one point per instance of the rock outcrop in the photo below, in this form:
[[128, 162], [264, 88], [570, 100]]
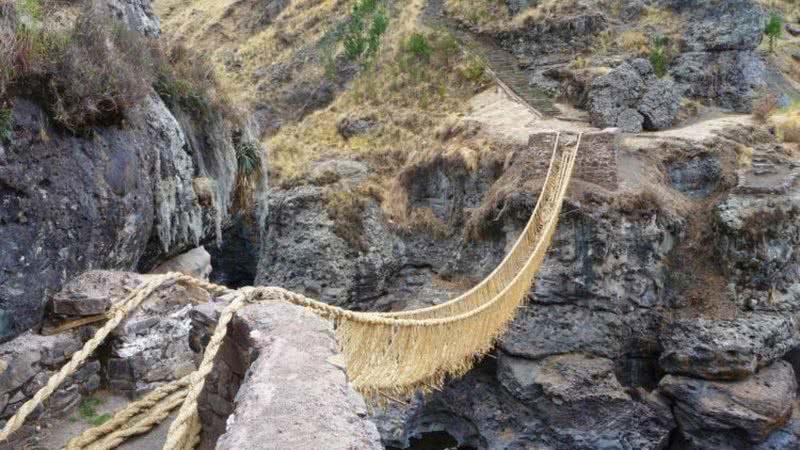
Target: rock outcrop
[[711, 46], [633, 99], [734, 415], [120, 198], [26, 364], [726, 349], [138, 15], [720, 63], [151, 346], [599, 334]]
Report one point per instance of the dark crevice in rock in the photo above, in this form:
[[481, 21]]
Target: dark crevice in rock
[[235, 262], [433, 440]]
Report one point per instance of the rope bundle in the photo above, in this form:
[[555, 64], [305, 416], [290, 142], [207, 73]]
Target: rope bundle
[[386, 354]]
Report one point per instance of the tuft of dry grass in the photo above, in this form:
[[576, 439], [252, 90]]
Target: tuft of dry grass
[[639, 204], [634, 41], [579, 63], [424, 220], [481, 14], [787, 124], [744, 157], [765, 106], [789, 130], [346, 210]]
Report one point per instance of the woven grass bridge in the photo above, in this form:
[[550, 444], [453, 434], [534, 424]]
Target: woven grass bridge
[[387, 355]]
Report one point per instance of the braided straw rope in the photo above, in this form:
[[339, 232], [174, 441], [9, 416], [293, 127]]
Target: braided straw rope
[[386, 354]]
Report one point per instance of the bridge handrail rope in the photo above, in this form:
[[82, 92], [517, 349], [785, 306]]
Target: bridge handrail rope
[[509, 264], [387, 355]]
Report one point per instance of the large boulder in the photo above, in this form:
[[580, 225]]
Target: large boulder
[[729, 25], [734, 414], [757, 233], [112, 198], [726, 349], [196, 263], [719, 61], [151, 345], [632, 98], [124, 200], [578, 394], [561, 402]]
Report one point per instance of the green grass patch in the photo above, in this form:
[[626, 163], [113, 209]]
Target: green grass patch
[[658, 56], [88, 407]]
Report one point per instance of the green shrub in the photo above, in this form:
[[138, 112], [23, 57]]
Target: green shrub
[[418, 47], [31, 8], [88, 411], [248, 161], [248, 157], [658, 56], [773, 30], [446, 47], [380, 23], [359, 40], [6, 123]]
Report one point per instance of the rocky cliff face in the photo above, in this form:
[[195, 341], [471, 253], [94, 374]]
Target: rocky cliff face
[[118, 197], [709, 47], [619, 303]]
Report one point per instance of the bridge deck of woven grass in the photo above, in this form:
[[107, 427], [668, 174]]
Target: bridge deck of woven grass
[[388, 355]]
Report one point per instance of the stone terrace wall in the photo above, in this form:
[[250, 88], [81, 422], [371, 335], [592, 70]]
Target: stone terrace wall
[[597, 157]]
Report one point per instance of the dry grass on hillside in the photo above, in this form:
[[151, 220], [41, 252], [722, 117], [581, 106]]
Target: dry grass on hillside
[[481, 14], [787, 124], [789, 8], [419, 79], [239, 46], [488, 15]]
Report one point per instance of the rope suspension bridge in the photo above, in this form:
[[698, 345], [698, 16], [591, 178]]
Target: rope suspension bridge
[[387, 355]]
